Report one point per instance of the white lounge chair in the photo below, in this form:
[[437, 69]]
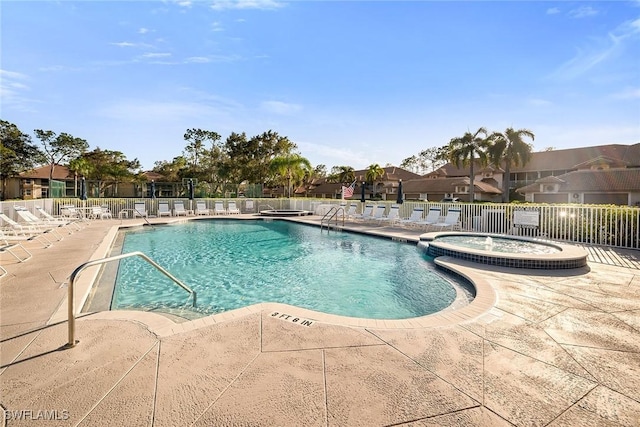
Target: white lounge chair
[[366, 213], [163, 208], [8, 246], [433, 217], [24, 232], [178, 208], [416, 216], [201, 208], [232, 208], [351, 211], [451, 221], [392, 217], [32, 221], [45, 216], [140, 210], [218, 208], [378, 213]]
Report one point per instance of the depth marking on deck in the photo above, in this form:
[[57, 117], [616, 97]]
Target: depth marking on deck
[[292, 319]]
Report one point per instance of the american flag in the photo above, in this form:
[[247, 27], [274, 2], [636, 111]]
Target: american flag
[[348, 191]]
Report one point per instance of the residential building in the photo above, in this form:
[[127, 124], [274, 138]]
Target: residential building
[[384, 188], [592, 175]]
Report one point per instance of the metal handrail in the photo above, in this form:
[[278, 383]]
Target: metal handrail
[[70, 306], [334, 211], [143, 217]]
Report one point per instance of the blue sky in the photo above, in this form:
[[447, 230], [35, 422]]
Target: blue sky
[[350, 82]]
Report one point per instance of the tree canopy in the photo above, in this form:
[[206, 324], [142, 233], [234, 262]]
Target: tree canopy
[[17, 152], [463, 150], [60, 148]]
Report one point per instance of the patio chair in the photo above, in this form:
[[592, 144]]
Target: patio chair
[[366, 213], [28, 218], [24, 232], [351, 211], [8, 246], [163, 208], [392, 217], [433, 217], [451, 221], [178, 208], [140, 210], [201, 208], [71, 212], [97, 212], [32, 221], [416, 216], [378, 213], [106, 212], [232, 208], [218, 208], [45, 216]]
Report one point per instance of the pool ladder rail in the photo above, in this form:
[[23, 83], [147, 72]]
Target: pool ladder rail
[[332, 214], [70, 296]]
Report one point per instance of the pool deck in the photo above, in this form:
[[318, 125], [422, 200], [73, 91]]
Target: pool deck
[[555, 348]]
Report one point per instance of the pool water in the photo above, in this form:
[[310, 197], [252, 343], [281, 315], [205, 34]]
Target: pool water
[[237, 263], [498, 244]]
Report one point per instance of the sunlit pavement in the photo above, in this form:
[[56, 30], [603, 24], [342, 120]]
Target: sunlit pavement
[[558, 348]]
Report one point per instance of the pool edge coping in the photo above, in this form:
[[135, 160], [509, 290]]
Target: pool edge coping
[[161, 325]]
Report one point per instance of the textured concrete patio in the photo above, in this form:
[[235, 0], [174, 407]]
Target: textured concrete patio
[[558, 348]]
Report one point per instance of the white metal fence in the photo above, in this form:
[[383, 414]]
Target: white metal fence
[[617, 226]]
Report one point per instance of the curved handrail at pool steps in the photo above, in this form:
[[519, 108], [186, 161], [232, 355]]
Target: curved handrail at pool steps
[[70, 297]]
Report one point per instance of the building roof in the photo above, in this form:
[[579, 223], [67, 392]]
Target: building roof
[[608, 180], [445, 185], [572, 158], [153, 176], [60, 172], [616, 155]]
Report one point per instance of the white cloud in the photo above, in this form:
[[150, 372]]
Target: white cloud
[[212, 58], [583, 12], [143, 31], [630, 93], [246, 4], [216, 26], [278, 107], [124, 44], [553, 11], [156, 55], [599, 50], [12, 91], [198, 60], [11, 75]]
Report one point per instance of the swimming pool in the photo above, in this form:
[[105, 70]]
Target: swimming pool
[[237, 263]]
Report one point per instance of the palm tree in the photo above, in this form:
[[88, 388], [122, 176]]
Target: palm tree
[[346, 174], [464, 149], [79, 166], [373, 172], [510, 149], [292, 167]]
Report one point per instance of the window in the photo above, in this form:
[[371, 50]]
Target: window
[[28, 181], [27, 192]]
